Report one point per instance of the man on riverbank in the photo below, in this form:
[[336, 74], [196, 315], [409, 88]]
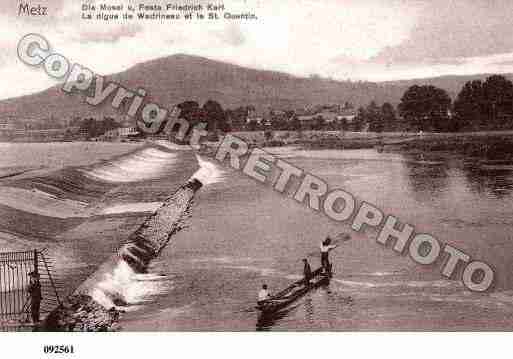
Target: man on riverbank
[[34, 292]]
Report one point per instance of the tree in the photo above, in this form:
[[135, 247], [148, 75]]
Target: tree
[[318, 123], [93, 128], [485, 105], [295, 124], [187, 108], [215, 116], [388, 117], [373, 117], [108, 124], [238, 117], [498, 100], [191, 112], [360, 120], [469, 107], [425, 107], [68, 135], [88, 127], [279, 123], [252, 125], [268, 135], [343, 125]]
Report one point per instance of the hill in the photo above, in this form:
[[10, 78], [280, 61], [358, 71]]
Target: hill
[[177, 78]]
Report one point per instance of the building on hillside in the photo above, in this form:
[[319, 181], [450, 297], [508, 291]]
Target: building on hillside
[[306, 118], [121, 133], [329, 116], [7, 127], [128, 131], [347, 115], [256, 119]]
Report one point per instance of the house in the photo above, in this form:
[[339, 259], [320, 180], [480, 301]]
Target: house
[[258, 120], [128, 131], [121, 133], [7, 127], [307, 118], [328, 116], [312, 122], [347, 115]]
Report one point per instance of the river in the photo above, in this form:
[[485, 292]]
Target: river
[[243, 234]]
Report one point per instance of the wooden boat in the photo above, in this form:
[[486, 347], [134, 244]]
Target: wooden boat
[[293, 292]]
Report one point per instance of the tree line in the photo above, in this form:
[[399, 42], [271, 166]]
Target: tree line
[[92, 127], [481, 105], [485, 105]]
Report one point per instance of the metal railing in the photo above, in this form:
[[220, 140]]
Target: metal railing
[[15, 303]]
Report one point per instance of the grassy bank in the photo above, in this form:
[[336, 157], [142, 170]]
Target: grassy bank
[[466, 142], [317, 139]]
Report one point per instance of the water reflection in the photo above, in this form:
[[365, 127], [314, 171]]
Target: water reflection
[[309, 312], [488, 168], [428, 177], [266, 321], [490, 180]]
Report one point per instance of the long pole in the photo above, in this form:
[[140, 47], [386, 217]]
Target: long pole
[[36, 270]]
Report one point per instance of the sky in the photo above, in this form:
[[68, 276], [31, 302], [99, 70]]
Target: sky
[[374, 40]]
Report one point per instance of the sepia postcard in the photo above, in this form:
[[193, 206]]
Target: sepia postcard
[[244, 166]]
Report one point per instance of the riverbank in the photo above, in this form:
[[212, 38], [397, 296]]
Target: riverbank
[[87, 152], [465, 142]]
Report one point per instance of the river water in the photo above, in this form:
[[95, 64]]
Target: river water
[[243, 234]]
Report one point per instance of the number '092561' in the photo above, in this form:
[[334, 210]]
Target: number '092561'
[[58, 349]]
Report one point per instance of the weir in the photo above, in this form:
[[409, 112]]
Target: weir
[[93, 306], [151, 237]]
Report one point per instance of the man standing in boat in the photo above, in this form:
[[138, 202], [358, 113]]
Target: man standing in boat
[[263, 294], [326, 247], [307, 272]]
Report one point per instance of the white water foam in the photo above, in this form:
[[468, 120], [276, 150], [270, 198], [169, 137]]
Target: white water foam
[[208, 172], [225, 259], [381, 274], [502, 300], [262, 271], [415, 284], [172, 146], [142, 165], [124, 283], [135, 207], [119, 281]]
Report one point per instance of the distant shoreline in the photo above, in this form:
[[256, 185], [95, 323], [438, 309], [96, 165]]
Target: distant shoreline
[[386, 141], [315, 140]]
